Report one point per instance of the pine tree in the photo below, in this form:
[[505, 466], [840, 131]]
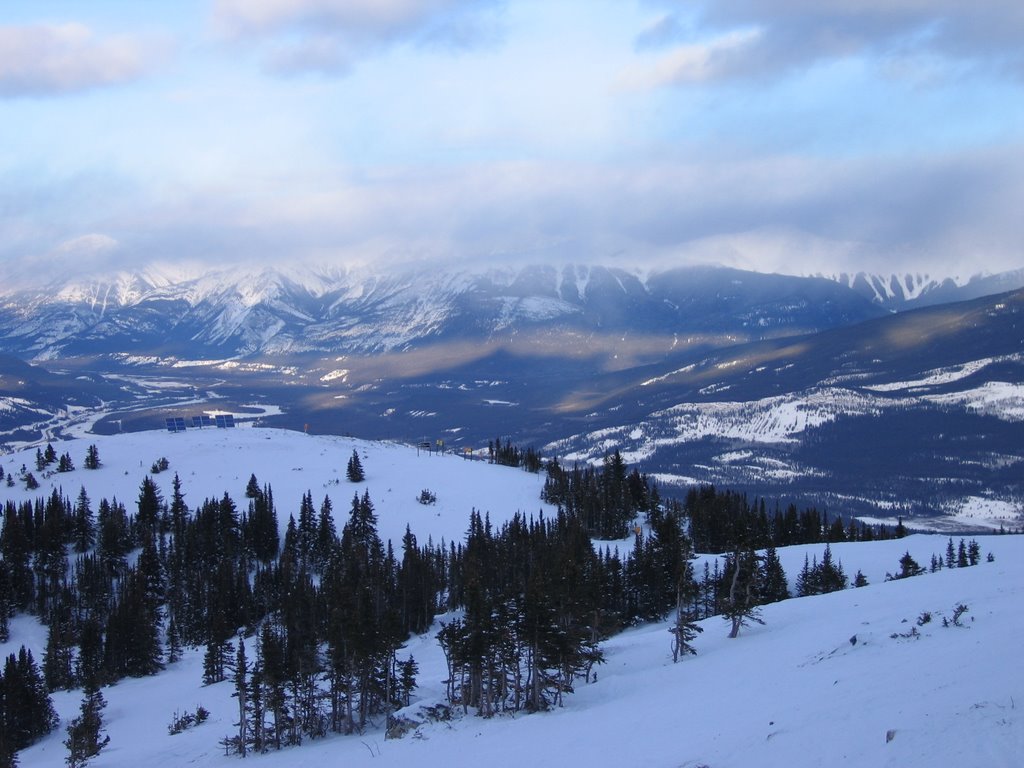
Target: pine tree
[[150, 504], [252, 489], [6, 606], [241, 694], [25, 704], [685, 629], [742, 578], [326, 536], [354, 471], [16, 551], [961, 555], [973, 552], [775, 586], [173, 641], [85, 737], [830, 574], [58, 663], [307, 530], [90, 659], [407, 679], [84, 524], [908, 568], [92, 457], [260, 528]]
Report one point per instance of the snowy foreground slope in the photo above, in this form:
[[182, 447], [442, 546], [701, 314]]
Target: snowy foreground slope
[[794, 692]]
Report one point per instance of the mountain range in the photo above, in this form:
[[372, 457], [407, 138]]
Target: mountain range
[[870, 396]]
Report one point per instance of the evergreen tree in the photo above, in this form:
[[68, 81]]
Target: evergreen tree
[[174, 648], [92, 457], [775, 586], [25, 705], [961, 555], [408, 670], [241, 679], [114, 538], [84, 523], [6, 606], [742, 580], [58, 659], [132, 642], [326, 536], [685, 629], [973, 552], [85, 737], [89, 664], [908, 567], [150, 504], [16, 548], [354, 471], [260, 527], [830, 574], [307, 530], [252, 489]]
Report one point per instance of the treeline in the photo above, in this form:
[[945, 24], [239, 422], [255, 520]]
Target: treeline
[[610, 498], [322, 615], [719, 520], [607, 499], [510, 455], [308, 628]]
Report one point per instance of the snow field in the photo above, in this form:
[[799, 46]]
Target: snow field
[[794, 692]]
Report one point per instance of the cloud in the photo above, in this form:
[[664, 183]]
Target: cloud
[[53, 59], [328, 36], [795, 34], [939, 213], [708, 61], [664, 31]]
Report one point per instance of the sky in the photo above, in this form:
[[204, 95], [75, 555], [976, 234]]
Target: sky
[[800, 136]]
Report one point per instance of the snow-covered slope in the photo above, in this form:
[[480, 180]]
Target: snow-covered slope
[[213, 461], [918, 289], [854, 678], [919, 413], [281, 310]]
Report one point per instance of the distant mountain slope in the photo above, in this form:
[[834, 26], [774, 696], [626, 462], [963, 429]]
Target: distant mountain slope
[[913, 290], [920, 413], [261, 312]]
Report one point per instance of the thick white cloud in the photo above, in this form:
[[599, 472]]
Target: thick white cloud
[[46, 59], [797, 33], [328, 36]]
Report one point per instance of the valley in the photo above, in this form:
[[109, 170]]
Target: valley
[[785, 388]]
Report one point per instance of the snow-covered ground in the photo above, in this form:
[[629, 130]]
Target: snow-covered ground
[[213, 461], [826, 681]]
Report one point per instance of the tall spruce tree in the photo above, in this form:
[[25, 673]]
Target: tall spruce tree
[[775, 586], [354, 471], [85, 737]]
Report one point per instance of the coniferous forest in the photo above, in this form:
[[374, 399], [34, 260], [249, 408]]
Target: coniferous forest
[[308, 627]]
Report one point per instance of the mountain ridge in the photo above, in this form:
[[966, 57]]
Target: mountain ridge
[[270, 311]]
